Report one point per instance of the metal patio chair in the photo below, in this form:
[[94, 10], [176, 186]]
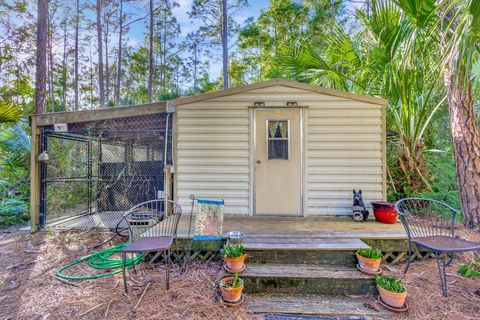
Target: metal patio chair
[[152, 227], [431, 224]]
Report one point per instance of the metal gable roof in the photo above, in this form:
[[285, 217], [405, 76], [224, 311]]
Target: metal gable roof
[[282, 82]]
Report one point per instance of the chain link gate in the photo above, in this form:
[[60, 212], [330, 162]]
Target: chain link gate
[[97, 171]]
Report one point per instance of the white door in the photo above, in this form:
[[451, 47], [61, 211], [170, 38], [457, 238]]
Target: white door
[[278, 163]]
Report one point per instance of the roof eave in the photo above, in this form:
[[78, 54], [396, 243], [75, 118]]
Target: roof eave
[[287, 83]]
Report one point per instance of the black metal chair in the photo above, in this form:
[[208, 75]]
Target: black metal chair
[[431, 224], [152, 227]]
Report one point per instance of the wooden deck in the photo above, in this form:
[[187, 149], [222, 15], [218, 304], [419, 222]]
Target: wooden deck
[[265, 227], [305, 227]]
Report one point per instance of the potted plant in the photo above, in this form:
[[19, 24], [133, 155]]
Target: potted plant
[[231, 288], [392, 291], [234, 257], [369, 259]]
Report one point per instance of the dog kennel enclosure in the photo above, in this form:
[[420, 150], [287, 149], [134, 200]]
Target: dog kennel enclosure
[[92, 166]]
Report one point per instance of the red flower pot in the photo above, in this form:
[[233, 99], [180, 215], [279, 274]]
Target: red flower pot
[[385, 212]]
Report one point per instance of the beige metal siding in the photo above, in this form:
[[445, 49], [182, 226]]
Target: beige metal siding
[[343, 149], [212, 152]]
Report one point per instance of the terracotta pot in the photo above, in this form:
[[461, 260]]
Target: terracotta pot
[[236, 263], [230, 294], [393, 299], [368, 264], [385, 212]]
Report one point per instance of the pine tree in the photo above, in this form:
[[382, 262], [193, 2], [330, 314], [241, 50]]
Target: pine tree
[[41, 65]]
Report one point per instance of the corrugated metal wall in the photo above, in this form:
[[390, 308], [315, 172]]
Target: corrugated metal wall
[[343, 149], [213, 153]]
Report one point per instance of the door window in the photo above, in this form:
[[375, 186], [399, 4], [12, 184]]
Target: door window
[[277, 139]]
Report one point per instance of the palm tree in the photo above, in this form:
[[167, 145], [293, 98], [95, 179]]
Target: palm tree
[[459, 28], [14, 163], [457, 22], [391, 58], [14, 140]]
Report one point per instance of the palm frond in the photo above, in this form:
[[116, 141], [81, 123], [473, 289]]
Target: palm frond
[[9, 112], [462, 37]]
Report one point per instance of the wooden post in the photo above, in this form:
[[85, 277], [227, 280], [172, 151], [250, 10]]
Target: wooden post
[[167, 186], [168, 182], [34, 177]]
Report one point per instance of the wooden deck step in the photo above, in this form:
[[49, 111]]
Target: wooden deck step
[[299, 243], [321, 251], [337, 307], [306, 278]]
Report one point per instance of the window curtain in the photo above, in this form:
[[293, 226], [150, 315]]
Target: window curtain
[[272, 127]]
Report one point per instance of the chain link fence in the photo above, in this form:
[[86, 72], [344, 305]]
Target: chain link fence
[[98, 170]]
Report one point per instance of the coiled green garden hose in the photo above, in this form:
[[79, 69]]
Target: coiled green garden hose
[[102, 260]]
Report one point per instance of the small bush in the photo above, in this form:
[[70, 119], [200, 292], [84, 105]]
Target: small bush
[[370, 253], [470, 270], [390, 283], [13, 211], [233, 251]]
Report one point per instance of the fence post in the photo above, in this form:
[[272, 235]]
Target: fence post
[[167, 177]]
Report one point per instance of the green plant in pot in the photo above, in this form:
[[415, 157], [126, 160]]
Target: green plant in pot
[[392, 291], [231, 288], [234, 257], [369, 259]]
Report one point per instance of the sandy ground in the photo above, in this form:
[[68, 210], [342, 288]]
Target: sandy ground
[[29, 290]]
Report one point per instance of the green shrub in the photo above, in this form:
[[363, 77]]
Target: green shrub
[[370, 253], [390, 283], [443, 180], [13, 211], [470, 270], [233, 251]]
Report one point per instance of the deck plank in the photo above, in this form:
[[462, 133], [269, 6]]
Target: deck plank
[[297, 243], [334, 306], [303, 271]]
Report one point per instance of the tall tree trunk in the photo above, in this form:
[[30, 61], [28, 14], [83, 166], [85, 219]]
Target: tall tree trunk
[[64, 66], [150, 53], [75, 81], [163, 53], [91, 75], [466, 141], [107, 66], [195, 66], [119, 58], [50, 63], [41, 58], [225, 43], [101, 94]]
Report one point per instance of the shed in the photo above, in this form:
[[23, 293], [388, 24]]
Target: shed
[[280, 147], [274, 148]]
